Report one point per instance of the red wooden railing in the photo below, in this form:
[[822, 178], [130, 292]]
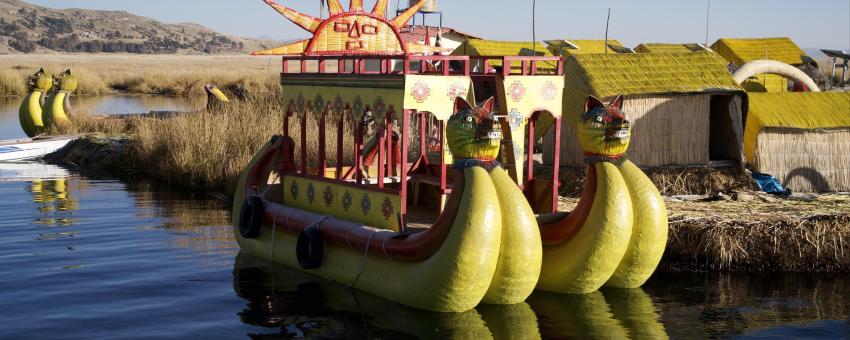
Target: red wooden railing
[[476, 67]]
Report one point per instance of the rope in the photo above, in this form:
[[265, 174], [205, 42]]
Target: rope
[[384, 248], [363, 261], [274, 233]]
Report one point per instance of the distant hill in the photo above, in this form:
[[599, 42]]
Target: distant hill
[[27, 28]]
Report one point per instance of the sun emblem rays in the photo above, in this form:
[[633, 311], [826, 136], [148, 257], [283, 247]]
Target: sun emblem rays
[[357, 20]]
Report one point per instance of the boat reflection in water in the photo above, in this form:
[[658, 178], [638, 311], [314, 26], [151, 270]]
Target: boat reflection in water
[[296, 304], [606, 314], [50, 188]]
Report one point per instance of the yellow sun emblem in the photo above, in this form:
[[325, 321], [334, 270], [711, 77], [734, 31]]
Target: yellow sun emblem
[[353, 32]]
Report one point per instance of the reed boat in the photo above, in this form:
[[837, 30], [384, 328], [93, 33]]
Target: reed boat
[[617, 233], [417, 203], [18, 150]]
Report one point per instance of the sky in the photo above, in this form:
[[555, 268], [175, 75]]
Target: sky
[[812, 24]]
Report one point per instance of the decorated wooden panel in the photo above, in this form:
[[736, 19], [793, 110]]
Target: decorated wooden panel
[[337, 100], [347, 202], [436, 94], [376, 209]]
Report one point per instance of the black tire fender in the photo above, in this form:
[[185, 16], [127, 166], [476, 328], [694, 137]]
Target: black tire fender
[[309, 249], [251, 217]]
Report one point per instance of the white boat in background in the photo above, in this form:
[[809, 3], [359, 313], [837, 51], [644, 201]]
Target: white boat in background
[[32, 148]]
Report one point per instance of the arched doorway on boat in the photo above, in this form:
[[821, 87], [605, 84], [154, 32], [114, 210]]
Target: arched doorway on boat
[[522, 156]]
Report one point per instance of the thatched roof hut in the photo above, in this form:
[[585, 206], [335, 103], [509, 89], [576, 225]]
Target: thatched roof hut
[[685, 108], [568, 47], [490, 48], [741, 51], [670, 48], [802, 138]]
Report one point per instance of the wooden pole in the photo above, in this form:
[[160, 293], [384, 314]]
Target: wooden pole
[[607, 25]]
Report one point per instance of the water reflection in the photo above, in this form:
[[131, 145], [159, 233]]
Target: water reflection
[[733, 304], [288, 302], [155, 260], [50, 190], [200, 222]]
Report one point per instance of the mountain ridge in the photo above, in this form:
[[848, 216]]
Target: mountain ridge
[[28, 28]]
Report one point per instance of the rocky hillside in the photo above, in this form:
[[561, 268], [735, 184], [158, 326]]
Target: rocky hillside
[[28, 28]]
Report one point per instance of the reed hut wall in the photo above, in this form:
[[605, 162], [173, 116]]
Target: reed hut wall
[[685, 108], [806, 160], [802, 138], [669, 130]]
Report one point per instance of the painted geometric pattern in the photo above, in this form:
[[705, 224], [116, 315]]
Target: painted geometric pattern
[[336, 101], [436, 94], [375, 209], [524, 94]]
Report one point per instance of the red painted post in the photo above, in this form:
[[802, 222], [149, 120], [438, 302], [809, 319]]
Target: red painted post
[[323, 158], [286, 123], [340, 126], [390, 150], [304, 143], [285, 65], [303, 65], [358, 151], [529, 176], [556, 164], [423, 152], [534, 67], [382, 144], [443, 184], [321, 65], [405, 132]]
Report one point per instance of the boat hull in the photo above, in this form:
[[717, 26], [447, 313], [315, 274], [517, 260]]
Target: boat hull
[[29, 149], [454, 278]]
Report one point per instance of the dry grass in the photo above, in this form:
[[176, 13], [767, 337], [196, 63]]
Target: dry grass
[[144, 74], [12, 82], [205, 150], [669, 181]]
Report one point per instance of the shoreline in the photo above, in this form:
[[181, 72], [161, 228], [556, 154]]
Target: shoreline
[[747, 231]]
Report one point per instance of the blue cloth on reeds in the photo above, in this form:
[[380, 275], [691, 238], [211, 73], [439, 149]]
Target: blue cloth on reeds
[[770, 184]]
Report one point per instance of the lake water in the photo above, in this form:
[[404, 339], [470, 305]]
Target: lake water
[[93, 257], [10, 128]]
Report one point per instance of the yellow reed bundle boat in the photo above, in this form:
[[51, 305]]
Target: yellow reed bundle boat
[[468, 236]]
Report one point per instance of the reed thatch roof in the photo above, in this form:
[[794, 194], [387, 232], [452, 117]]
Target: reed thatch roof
[[766, 83], [482, 47], [494, 48], [795, 110], [742, 51], [641, 74], [569, 47], [669, 48]]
